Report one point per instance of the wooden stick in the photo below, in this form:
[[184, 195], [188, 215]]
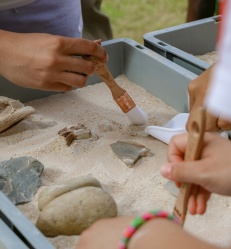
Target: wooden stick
[[193, 152]]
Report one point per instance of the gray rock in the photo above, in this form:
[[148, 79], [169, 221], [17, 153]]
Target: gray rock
[[51, 192], [129, 152], [73, 212], [19, 178]]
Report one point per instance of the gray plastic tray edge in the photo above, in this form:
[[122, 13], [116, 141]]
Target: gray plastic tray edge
[[198, 65], [15, 220]]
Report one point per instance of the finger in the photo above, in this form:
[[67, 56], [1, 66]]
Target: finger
[[86, 47], [191, 101], [72, 79], [202, 199], [194, 108], [211, 122], [56, 87], [223, 124], [192, 92], [192, 202], [187, 171], [188, 123], [176, 148], [77, 65]]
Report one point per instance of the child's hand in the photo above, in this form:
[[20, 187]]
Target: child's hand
[[211, 173]]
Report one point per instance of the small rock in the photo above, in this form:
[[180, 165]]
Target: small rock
[[129, 152], [52, 192], [73, 212], [82, 134], [73, 132], [20, 178]]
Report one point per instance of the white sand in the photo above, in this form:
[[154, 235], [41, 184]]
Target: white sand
[[134, 189], [210, 57]]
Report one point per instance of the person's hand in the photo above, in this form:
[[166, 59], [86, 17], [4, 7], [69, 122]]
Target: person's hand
[[197, 89], [47, 62], [211, 173], [104, 233]]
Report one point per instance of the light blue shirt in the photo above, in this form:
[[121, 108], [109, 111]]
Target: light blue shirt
[[58, 17]]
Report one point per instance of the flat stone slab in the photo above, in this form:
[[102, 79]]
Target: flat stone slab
[[19, 178], [130, 152]]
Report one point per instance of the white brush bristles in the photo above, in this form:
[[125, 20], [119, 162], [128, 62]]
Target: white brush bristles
[[137, 116]]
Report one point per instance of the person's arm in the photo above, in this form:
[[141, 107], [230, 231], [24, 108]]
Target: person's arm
[[197, 90], [45, 61], [164, 234], [156, 233]]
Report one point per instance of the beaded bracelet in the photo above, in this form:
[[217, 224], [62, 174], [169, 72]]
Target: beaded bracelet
[[139, 221]]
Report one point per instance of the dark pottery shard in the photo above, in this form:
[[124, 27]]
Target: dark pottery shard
[[129, 152], [19, 178]]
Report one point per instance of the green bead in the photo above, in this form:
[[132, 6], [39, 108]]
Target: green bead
[[137, 222], [154, 212], [125, 240]]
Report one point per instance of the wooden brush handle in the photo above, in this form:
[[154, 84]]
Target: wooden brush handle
[[193, 152], [104, 73], [121, 97]]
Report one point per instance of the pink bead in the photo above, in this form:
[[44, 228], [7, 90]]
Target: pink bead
[[121, 246], [147, 216], [129, 232], [163, 214]]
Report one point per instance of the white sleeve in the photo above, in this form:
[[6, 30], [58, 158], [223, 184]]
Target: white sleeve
[[218, 99]]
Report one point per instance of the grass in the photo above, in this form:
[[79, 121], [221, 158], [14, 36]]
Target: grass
[[133, 18]]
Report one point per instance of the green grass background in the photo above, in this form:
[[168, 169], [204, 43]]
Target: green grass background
[[133, 18]]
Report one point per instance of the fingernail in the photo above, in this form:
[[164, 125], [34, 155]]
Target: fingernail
[[165, 170]]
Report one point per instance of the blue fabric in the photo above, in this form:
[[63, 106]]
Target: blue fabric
[[10, 4], [58, 17]]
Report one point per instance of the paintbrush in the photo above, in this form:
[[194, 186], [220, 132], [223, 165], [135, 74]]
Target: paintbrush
[[193, 152], [121, 97]]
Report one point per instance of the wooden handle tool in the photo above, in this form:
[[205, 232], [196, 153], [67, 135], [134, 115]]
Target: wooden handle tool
[[193, 152], [119, 94]]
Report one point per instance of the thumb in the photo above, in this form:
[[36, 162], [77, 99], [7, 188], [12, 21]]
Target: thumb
[[182, 172]]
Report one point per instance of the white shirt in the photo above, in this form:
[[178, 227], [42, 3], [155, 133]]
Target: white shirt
[[218, 100]]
